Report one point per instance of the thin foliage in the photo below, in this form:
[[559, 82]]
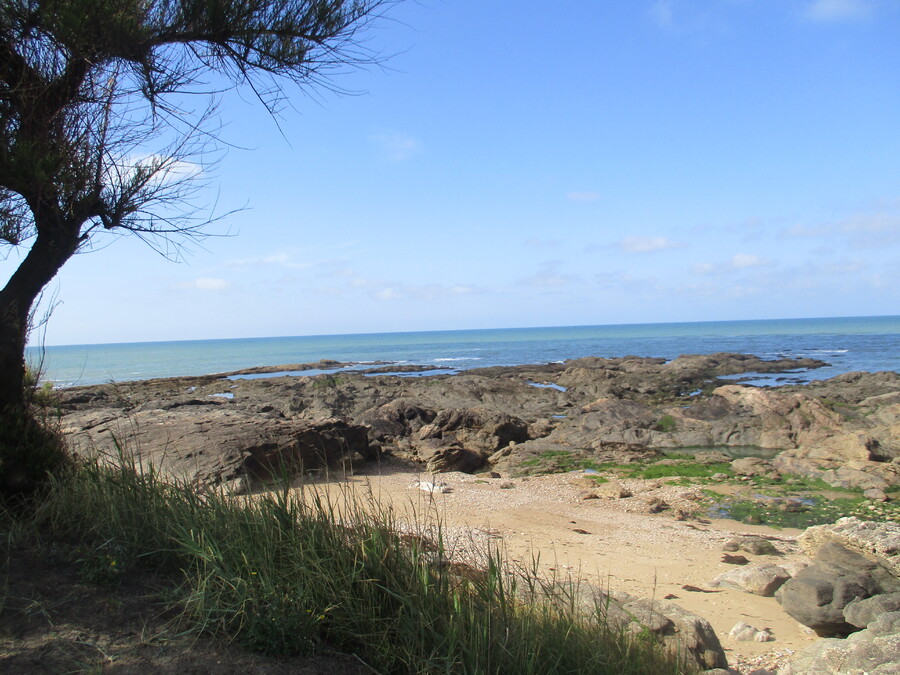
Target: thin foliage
[[108, 121]]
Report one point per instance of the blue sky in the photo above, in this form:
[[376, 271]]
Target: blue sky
[[534, 164]]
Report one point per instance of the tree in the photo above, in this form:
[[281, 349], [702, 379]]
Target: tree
[[87, 87]]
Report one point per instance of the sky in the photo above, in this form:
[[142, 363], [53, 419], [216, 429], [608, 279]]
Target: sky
[[524, 163]]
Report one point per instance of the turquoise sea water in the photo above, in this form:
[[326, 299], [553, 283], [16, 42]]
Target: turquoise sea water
[[858, 343]]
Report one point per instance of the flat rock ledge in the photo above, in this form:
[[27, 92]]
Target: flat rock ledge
[[214, 445], [878, 542]]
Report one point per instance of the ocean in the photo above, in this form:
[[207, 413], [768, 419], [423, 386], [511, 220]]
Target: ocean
[[847, 344]]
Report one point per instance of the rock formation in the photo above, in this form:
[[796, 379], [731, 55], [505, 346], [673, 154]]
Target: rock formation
[[844, 430]]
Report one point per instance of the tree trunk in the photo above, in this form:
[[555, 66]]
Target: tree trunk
[[44, 260], [13, 332], [28, 450]]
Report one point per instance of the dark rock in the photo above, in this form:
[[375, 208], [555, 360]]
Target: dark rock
[[841, 430], [440, 457], [861, 613], [872, 651], [477, 429], [208, 445], [396, 419], [818, 594]]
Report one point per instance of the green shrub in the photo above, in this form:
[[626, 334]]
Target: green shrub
[[666, 423], [30, 450], [38, 392]]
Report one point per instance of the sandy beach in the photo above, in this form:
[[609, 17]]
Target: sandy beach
[[612, 544]]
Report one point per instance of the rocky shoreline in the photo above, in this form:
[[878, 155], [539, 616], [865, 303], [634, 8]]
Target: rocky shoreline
[[241, 430], [845, 431]]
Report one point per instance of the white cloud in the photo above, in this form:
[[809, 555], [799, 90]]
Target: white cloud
[[168, 170], [684, 16], [261, 260], [743, 261], [273, 260], [211, 284], [537, 242], [548, 277], [859, 231], [875, 230], [583, 197], [397, 147], [646, 244], [662, 12], [624, 282], [386, 290], [838, 10], [703, 269], [387, 294]]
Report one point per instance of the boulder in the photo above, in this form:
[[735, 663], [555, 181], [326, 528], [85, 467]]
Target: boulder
[[873, 651], [440, 457], [677, 629], [861, 613], [611, 489], [818, 594], [476, 429], [310, 446], [838, 471], [761, 580], [779, 419], [396, 419], [757, 545]]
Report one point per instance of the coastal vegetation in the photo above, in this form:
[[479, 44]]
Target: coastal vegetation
[[788, 501], [289, 576]]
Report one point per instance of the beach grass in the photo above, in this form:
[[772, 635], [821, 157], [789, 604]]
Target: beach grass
[[289, 575]]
